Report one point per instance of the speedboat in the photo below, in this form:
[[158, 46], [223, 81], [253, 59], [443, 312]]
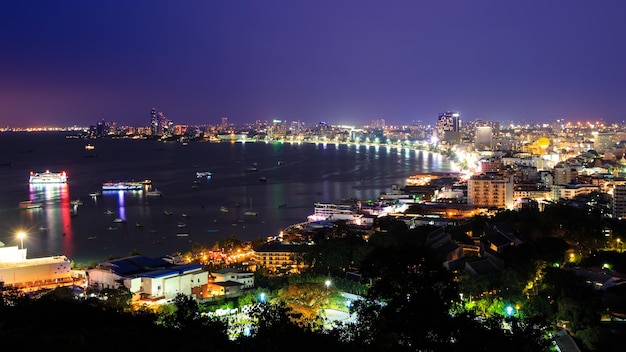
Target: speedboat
[[224, 209]]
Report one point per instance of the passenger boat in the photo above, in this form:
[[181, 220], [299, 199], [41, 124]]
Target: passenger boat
[[47, 177], [122, 186]]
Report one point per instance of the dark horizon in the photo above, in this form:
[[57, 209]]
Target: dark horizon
[[345, 62]]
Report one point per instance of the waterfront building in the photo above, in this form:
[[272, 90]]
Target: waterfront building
[[490, 190], [150, 280], [278, 257], [333, 211], [35, 273]]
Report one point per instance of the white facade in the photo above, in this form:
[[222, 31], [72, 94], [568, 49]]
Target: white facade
[[16, 270], [245, 278], [163, 283]]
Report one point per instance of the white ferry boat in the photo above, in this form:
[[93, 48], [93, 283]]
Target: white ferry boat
[[47, 177], [122, 186]]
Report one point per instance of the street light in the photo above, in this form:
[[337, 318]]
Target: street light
[[327, 283], [262, 297]]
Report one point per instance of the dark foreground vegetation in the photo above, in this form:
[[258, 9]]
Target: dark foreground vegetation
[[411, 301]]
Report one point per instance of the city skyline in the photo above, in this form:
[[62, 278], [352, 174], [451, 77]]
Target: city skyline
[[346, 62]]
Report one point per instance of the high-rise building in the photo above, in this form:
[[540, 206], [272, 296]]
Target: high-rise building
[[619, 202], [154, 122], [448, 127]]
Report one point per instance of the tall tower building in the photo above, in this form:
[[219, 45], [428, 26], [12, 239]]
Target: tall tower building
[[154, 122], [448, 127]]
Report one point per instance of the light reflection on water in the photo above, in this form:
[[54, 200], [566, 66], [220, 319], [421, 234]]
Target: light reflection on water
[[298, 175]]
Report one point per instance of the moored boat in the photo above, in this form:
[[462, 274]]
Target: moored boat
[[29, 204], [203, 174], [154, 193]]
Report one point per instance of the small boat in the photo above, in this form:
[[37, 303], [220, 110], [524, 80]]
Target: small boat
[[111, 228], [95, 194], [89, 147], [118, 220], [251, 213], [185, 215], [212, 230], [92, 237], [154, 193], [224, 209], [262, 178], [195, 186], [137, 224], [252, 169], [29, 204], [43, 228], [166, 212], [182, 234], [181, 224], [200, 174], [76, 202], [109, 212]]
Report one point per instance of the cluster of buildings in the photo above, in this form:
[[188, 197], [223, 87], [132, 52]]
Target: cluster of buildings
[[500, 167]]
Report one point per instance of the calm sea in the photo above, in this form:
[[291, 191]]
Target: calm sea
[[297, 176]]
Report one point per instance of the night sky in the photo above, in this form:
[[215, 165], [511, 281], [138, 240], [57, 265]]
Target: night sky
[[344, 62]]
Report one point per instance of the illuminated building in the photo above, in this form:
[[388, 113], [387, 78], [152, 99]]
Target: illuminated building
[[275, 256], [484, 138], [619, 202], [490, 190], [152, 280], [448, 127], [35, 273]]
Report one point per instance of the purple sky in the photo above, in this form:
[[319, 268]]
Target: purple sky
[[344, 62]]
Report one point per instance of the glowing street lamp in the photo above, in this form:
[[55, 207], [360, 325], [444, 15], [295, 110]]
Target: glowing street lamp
[[327, 283], [262, 297]]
